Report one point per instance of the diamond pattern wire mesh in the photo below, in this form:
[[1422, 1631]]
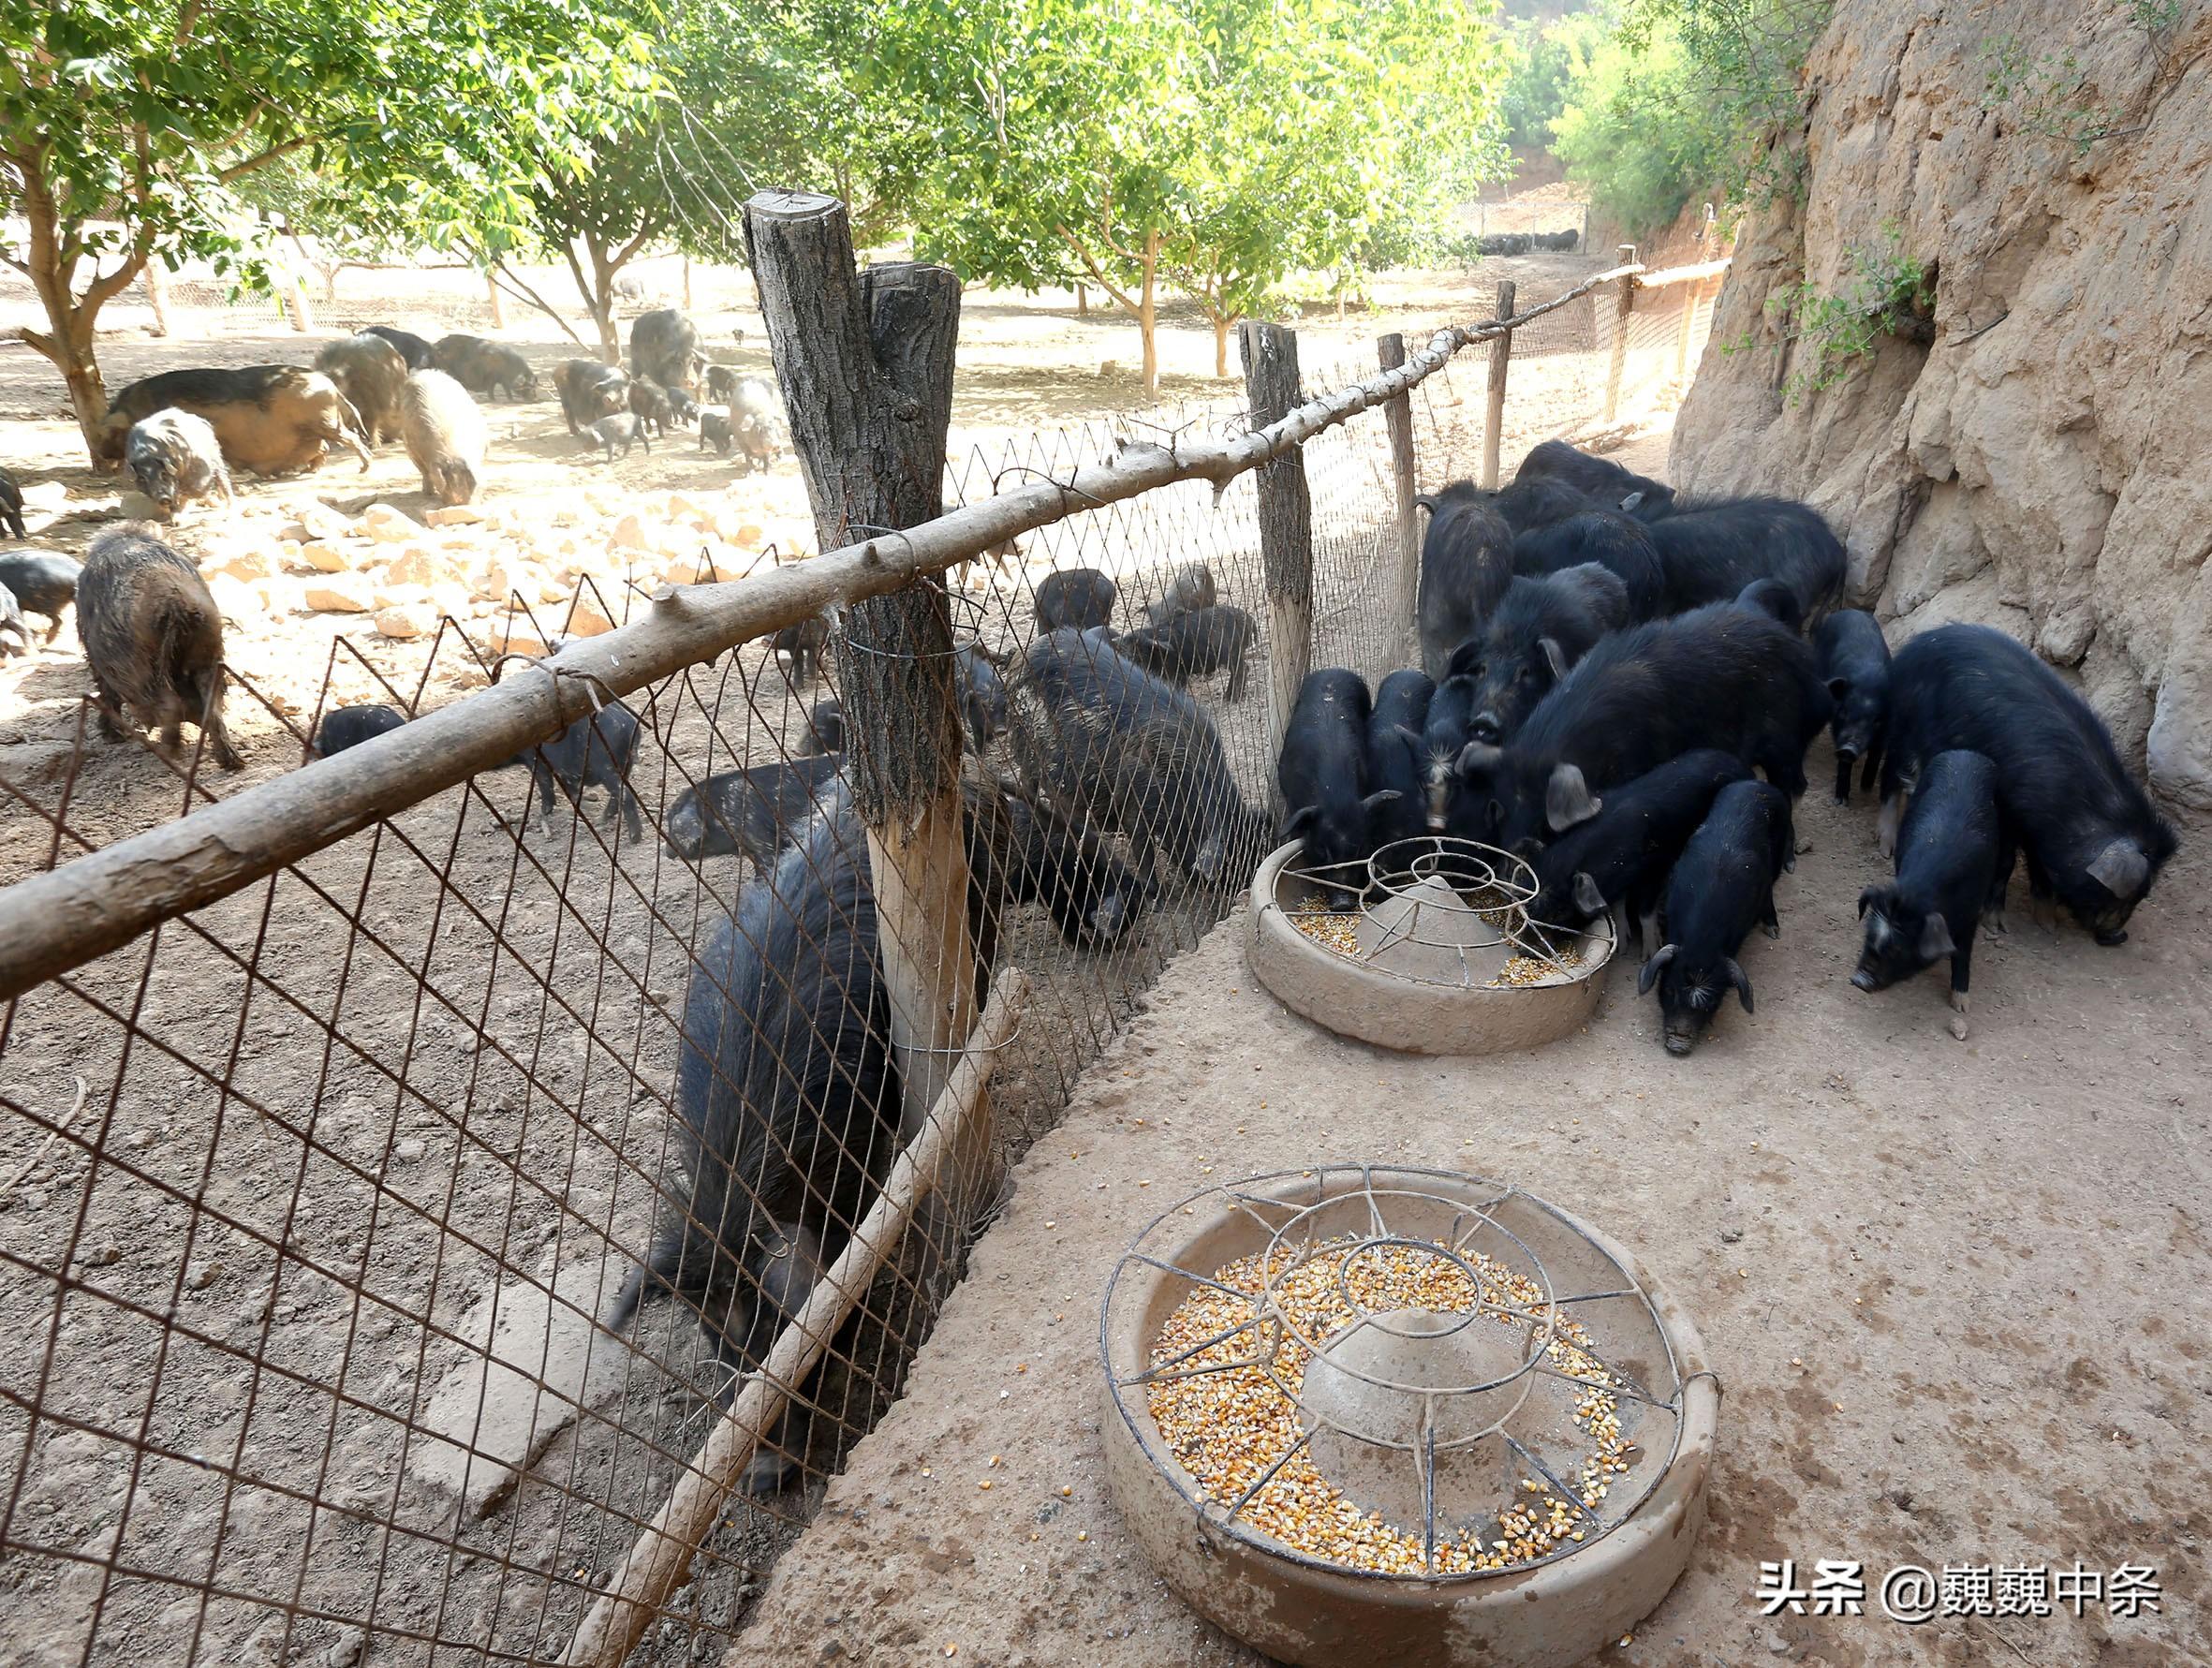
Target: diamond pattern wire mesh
[[278, 1178]]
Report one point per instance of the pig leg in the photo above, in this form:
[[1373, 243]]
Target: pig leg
[[1772, 921], [1993, 907], [107, 706], [1961, 966], [1843, 778], [1887, 825], [345, 436], [1873, 766], [212, 726]]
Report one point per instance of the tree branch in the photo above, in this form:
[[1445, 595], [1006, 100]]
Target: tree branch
[[522, 292], [270, 155], [1097, 277]]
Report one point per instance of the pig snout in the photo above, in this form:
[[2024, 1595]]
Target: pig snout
[[1679, 1040], [1109, 920], [1486, 727]]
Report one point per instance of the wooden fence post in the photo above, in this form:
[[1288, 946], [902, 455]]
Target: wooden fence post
[[1398, 417], [866, 364], [1689, 311], [295, 298], [1624, 303], [1501, 354], [492, 295], [1286, 521]]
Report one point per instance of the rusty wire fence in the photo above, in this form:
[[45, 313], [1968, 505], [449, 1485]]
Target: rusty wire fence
[[321, 1204]]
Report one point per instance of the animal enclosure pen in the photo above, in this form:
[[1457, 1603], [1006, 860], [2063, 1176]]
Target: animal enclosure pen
[[339, 1109]]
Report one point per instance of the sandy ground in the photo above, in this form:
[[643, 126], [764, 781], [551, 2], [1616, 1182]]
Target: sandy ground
[[1955, 1292]]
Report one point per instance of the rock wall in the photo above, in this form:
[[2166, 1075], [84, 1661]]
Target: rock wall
[[2045, 464]]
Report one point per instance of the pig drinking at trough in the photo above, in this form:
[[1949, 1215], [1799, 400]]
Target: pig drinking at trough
[[369, 372], [1855, 660], [175, 459], [1720, 886], [1953, 857], [1322, 773], [1394, 753], [1444, 736], [153, 639], [2088, 832]]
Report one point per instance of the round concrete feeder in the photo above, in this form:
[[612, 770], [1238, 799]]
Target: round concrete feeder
[[1436, 1420], [1437, 927]]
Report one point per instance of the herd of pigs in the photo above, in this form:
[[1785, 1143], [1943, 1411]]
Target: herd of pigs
[[1604, 668], [1608, 671]]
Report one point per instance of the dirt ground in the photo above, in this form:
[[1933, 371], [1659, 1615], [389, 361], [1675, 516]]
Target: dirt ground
[[1954, 1291]]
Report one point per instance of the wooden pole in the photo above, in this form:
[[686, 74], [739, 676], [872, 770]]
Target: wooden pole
[[866, 364], [1398, 417], [659, 1562], [1501, 354], [491, 297], [156, 278], [1624, 303], [1286, 521], [686, 283], [295, 295], [1689, 312]]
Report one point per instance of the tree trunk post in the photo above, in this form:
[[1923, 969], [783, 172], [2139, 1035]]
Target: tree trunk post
[[864, 361], [1398, 417], [1690, 292], [156, 281], [1501, 355], [686, 283], [1624, 303], [1286, 521], [492, 299], [1083, 300], [295, 295]]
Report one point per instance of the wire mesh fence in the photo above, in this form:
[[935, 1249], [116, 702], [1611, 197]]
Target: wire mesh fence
[[386, 1240]]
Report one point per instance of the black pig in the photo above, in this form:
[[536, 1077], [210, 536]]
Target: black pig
[[1540, 628], [1195, 644], [1618, 543], [1078, 596], [1322, 773], [2088, 832], [595, 751], [1953, 857], [1467, 561], [1394, 753], [349, 726], [1721, 884], [1855, 660]]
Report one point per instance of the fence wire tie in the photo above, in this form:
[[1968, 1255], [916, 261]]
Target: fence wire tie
[[591, 681], [1066, 486]]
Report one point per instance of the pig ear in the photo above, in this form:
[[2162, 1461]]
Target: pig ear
[[1839, 687], [1425, 501], [1648, 973], [1868, 899], [1935, 937], [1736, 978], [1375, 802], [2120, 869], [1567, 799], [1298, 821], [1411, 737], [1478, 756], [1588, 898], [1634, 499], [1553, 656], [1466, 660]]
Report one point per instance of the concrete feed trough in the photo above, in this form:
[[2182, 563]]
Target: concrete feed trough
[[1438, 957], [1368, 1414]]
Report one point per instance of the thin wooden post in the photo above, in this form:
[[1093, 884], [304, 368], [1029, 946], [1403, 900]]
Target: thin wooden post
[[492, 296], [1624, 303], [1398, 417], [1286, 521], [1690, 292], [295, 295], [156, 278], [686, 283], [866, 364], [1501, 355]]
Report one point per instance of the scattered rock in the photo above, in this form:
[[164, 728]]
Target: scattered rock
[[339, 594], [104, 1255], [325, 557], [408, 1151], [387, 526], [749, 536], [418, 564], [252, 565], [629, 534], [46, 494], [134, 506], [390, 595], [587, 618], [315, 520], [406, 620], [202, 1274], [346, 1650], [457, 515]]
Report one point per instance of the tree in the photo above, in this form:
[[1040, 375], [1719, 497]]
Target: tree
[[127, 127], [1216, 145]]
